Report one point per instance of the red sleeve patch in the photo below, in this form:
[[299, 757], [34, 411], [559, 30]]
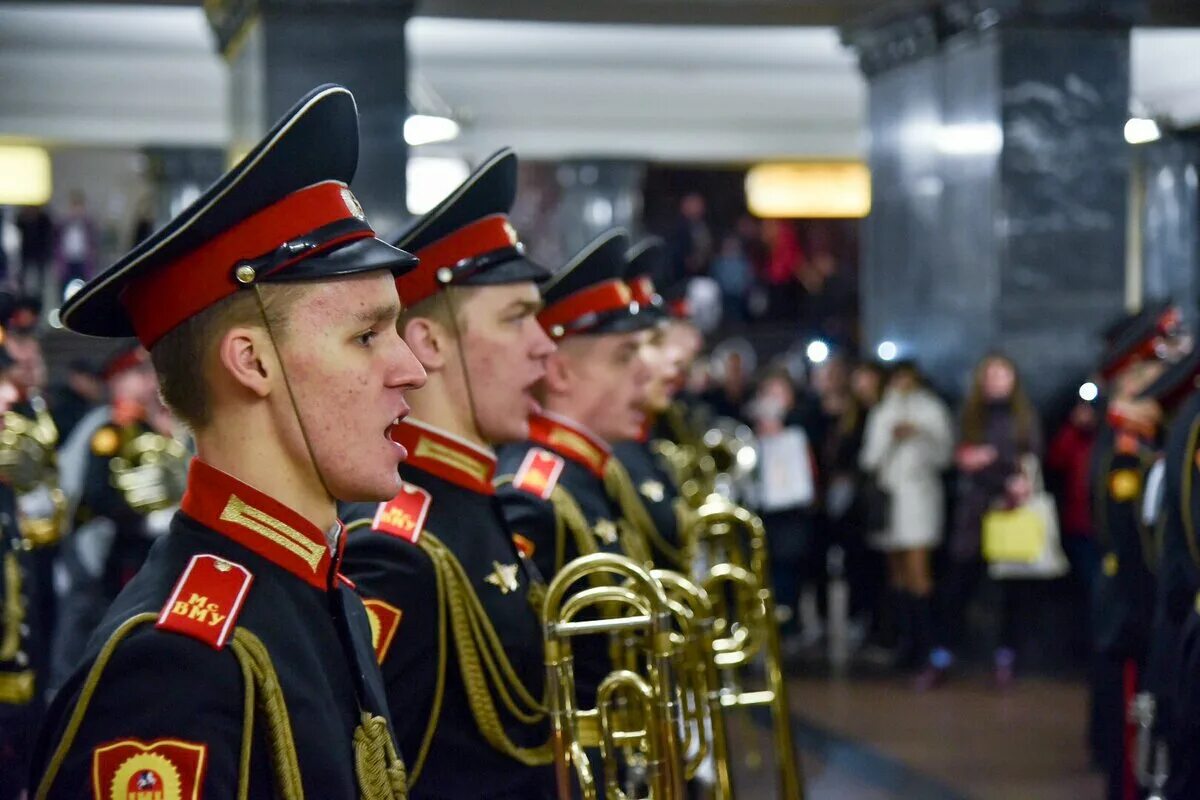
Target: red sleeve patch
[[207, 600], [539, 473], [404, 515], [385, 619], [162, 769]]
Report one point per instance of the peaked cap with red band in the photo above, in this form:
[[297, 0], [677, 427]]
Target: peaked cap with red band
[[647, 260], [590, 296], [467, 239], [1140, 337], [284, 213]]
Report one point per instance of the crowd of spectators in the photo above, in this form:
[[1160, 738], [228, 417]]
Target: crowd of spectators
[[872, 434]]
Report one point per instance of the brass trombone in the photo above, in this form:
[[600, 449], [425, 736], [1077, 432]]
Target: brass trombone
[[733, 541], [637, 714]]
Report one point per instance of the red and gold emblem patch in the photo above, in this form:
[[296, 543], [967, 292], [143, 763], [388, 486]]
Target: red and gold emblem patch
[[404, 514], [385, 619], [539, 473], [165, 769]]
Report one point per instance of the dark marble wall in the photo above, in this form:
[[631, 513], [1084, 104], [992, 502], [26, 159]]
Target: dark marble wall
[[1171, 223], [595, 195], [289, 51], [1000, 179]]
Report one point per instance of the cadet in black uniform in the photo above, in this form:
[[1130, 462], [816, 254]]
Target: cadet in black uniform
[[20, 685], [644, 488], [1125, 449], [453, 601], [110, 538], [238, 662], [1170, 678], [593, 394]]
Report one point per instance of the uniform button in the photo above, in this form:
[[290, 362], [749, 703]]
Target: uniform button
[[22, 659], [24, 629]]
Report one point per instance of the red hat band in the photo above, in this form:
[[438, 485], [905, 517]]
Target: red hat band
[[166, 297], [471, 242], [567, 314], [643, 290]]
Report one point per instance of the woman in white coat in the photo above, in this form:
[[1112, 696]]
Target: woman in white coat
[[909, 441]]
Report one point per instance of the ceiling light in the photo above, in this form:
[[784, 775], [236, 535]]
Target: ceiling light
[[422, 129], [887, 351], [817, 351], [26, 175], [1140, 130], [431, 180]]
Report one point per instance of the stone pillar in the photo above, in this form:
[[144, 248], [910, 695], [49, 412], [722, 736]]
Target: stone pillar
[[595, 195], [1170, 222], [1000, 177], [280, 49]]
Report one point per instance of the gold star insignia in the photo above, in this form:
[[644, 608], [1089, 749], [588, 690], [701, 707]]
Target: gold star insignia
[[606, 531], [504, 577], [652, 490]]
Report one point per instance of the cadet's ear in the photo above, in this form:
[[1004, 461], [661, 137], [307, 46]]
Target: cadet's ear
[[428, 342], [559, 370], [246, 354]]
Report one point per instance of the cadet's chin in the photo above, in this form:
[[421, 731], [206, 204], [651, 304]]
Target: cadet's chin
[[379, 490]]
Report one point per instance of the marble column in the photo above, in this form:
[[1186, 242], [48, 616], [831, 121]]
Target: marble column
[[595, 195], [1170, 222], [278, 50], [1000, 178]]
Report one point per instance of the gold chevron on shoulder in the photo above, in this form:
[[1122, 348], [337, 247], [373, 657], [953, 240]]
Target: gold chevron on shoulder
[[241, 513]]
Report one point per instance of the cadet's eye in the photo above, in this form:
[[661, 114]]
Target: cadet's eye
[[366, 337]]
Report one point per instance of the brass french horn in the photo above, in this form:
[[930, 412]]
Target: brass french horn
[[151, 472], [28, 463]]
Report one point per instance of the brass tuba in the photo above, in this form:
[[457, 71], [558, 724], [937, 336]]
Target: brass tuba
[[28, 463], [636, 716], [151, 471]]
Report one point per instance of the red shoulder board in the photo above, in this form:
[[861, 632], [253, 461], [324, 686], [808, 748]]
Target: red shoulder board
[[207, 600], [539, 473], [163, 768], [404, 515]]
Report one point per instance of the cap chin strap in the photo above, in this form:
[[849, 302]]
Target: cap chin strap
[[452, 310], [312, 456]]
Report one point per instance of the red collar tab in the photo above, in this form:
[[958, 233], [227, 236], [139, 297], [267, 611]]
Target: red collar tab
[[642, 288], [160, 300], [443, 261], [576, 312], [571, 440], [446, 456], [234, 509]]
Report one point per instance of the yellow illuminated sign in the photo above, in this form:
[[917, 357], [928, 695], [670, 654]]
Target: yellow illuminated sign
[[24, 175], [806, 190]]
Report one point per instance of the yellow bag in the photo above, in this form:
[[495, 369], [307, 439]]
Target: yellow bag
[[1016, 536]]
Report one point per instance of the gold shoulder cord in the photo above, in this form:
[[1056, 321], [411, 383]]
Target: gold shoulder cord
[[1185, 494], [640, 533], [484, 665], [14, 608], [262, 691]]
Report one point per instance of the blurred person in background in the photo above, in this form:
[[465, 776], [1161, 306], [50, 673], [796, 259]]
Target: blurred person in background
[[867, 380], [1000, 432], [690, 243], [71, 400], [732, 271], [37, 248], [1069, 457], [78, 241], [733, 362], [781, 268], [908, 442], [786, 491]]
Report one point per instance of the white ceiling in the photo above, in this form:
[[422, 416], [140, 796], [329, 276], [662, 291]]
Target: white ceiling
[[133, 75]]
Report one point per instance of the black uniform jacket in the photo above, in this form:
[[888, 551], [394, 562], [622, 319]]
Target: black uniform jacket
[[1125, 588], [20, 687], [659, 496], [420, 603], [239, 588], [559, 472]]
